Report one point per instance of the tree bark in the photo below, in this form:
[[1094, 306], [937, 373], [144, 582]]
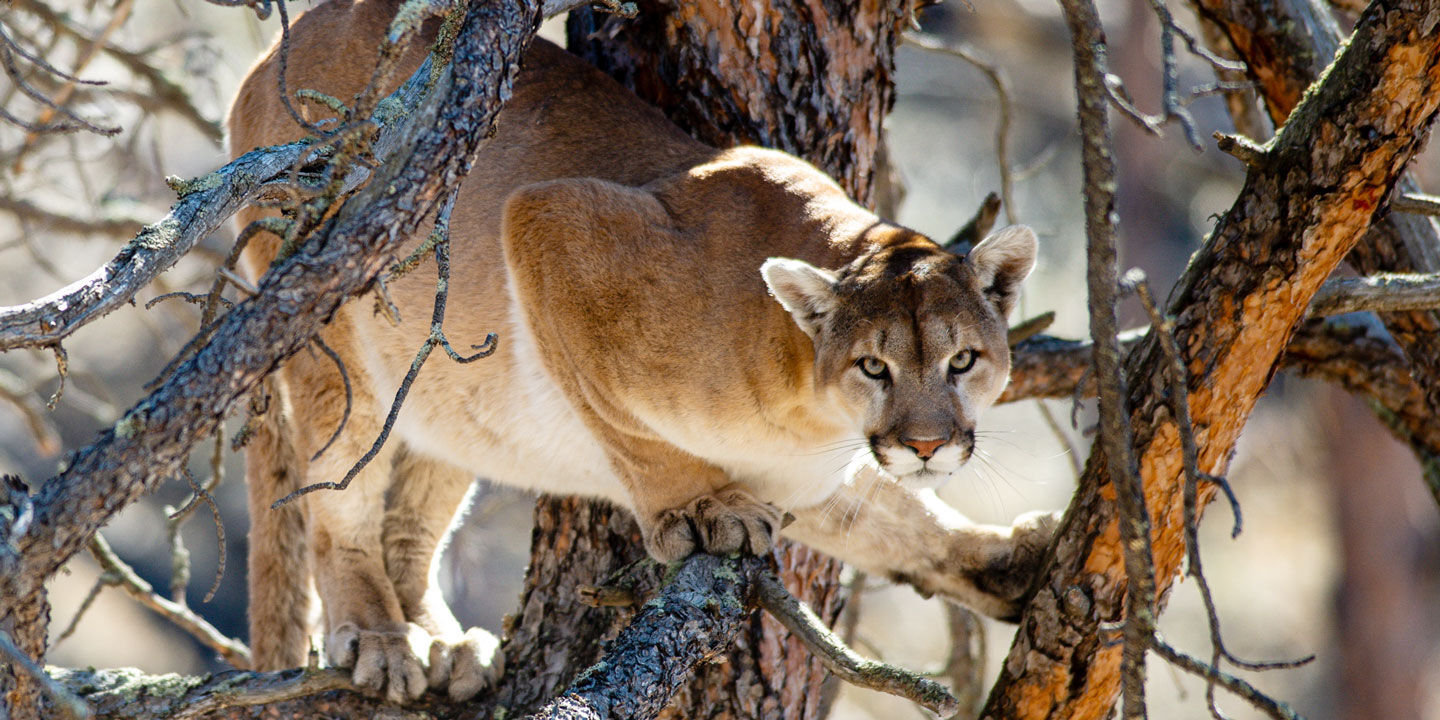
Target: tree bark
[[1306, 202], [1286, 45]]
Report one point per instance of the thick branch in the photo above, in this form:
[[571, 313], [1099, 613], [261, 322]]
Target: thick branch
[[692, 620], [1318, 190], [1286, 45]]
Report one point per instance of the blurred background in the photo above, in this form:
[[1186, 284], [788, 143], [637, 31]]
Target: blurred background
[[1340, 554]]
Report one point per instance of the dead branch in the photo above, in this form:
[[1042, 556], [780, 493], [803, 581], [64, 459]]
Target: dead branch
[[1416, 203], [65, 702], [125, 578], [1103, 280], [435, 339], [42, 429], [844, 662], [1257, 699], [1386, 292]]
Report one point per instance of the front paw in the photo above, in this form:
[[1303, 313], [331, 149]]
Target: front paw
[[727, 522], [1007, 577], [467, 664], [381, 659]]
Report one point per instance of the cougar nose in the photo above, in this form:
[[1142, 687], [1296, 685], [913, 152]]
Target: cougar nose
[[924, 448]]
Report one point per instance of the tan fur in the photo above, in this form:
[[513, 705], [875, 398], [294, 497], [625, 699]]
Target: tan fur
[[632, 275]]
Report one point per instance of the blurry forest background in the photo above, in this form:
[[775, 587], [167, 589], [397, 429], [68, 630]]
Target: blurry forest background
[[1340, 555]]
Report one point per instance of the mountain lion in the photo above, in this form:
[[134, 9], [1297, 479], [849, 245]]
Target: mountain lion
[[709, 338]]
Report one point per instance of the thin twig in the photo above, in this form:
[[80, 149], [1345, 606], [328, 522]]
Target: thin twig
[[85, 604], [1386, 292], [125, 578], [349, 395], [203, 493], [1266, 704], [62, 369], [87, 53], [435, 339], [1001, 85], [1174, 108], [800, 620], [42, 429], [1416, 203]]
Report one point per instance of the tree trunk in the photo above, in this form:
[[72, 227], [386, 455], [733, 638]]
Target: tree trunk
[[1307, 200]]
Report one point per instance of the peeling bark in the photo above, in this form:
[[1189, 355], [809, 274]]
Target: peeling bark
[[1315, 193]]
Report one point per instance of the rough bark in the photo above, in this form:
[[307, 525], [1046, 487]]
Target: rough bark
[[154, 438], [1286, 45], [1314, 192]]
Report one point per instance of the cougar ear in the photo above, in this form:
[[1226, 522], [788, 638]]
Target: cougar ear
[[1001, 262], [808, 292]]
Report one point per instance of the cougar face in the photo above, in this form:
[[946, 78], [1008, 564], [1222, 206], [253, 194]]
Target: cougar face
[[910, 339]]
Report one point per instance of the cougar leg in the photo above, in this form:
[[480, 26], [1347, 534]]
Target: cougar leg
[[426, 497], [878, 525], [365, 627]]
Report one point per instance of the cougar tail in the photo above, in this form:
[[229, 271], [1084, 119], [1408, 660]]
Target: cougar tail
[[280, 590]]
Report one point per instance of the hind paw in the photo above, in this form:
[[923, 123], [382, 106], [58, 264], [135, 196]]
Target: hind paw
[[466, 664], [380, 660]]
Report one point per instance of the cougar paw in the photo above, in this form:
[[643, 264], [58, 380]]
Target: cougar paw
[[466, 664], [380, 660], [1008, 575], [722, 523]]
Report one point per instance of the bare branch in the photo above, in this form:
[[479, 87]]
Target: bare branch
[[1387, 292], [65, 701], [42, 430], [1270, 706], [182, 617], [435, 339], [1416, 204], [844, 662], [1102, 275]]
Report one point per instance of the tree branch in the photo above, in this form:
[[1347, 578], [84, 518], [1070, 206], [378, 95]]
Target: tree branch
[[1286, 46]]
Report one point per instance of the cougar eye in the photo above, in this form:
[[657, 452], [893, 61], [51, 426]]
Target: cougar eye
[[962, 362], [873, 367]]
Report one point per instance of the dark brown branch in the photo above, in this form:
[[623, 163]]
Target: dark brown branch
[[1102, 282], [1270, 706]]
